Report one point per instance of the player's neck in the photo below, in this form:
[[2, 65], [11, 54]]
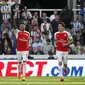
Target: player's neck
[[61, 31]]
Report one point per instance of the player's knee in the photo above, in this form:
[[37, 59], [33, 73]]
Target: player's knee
[[60, 63]]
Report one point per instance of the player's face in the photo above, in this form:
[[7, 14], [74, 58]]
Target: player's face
[[60, 28], [22, 27]]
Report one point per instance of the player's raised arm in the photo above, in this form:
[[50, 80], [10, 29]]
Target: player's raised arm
[[55, 40]]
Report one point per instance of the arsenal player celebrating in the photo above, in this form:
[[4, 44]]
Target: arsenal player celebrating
[[62, 40], [22, 49]]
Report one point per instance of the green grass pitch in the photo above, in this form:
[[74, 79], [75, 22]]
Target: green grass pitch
[[42, 81]]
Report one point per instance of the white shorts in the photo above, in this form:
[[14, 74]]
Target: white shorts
[[62, 56], [22, 55]]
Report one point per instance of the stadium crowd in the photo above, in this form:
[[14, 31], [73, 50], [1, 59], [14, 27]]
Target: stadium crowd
[[42, 29]]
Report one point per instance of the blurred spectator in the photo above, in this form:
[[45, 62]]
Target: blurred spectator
[[7, 44], [7, 31], [26, 18], [83, 30], [39, 51], [14, 42], [78, 44], [35, 30], [45, 34], [37, 18], [67, 16], [80, 37], [55, 23], [48, 26], [82, 12], [16, 11], [81, 51], [16, 32], [26, 14], [75, 50], [5, 11], [77, 47], [55, 26], [30, 50], [83, 35], [5, 24], [37, 44], [1, 45], [50, 55], [48, 47], [0, 18], [8, 51], [34, 47], [52, 17], [76, 25], [83, 23], [33, 22], [40, 43], [70, 51], [45, 17]]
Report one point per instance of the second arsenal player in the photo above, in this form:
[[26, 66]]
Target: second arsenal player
[[62, 40]]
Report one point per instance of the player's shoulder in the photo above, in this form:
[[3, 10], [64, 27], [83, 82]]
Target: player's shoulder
[[27, 32], [66, 32]]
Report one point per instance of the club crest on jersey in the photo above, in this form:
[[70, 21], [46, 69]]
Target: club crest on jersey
[[26, 34]]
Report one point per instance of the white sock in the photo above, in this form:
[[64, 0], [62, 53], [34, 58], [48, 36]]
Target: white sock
[[19, 68], [24, 69], [60, 71]]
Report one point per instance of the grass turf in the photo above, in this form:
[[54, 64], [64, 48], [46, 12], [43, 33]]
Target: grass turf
[[42, 81]]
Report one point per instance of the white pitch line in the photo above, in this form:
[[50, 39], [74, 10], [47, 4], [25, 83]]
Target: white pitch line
[[38, 83]]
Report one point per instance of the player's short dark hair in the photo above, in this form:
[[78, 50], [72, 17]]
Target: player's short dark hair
[[62, 23]]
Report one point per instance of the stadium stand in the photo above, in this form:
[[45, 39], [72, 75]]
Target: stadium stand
[[41, 29]]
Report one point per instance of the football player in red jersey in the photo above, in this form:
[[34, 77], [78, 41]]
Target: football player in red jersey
[[22, 49], [62, 40]]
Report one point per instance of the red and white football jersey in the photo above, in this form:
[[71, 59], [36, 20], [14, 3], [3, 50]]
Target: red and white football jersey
[[23, 45], [62, 37]]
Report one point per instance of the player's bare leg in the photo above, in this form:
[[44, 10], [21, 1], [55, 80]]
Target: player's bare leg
[[60, 71], [19, 70], [24, 71]]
